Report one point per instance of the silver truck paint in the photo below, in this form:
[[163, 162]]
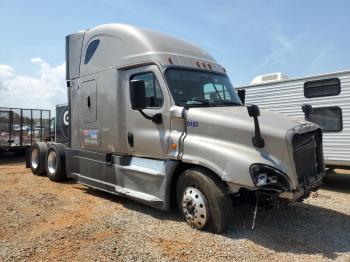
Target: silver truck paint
[[221, 141], [232, 154], [127, 152]]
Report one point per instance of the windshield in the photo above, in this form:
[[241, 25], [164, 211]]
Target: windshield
[[200, 88]]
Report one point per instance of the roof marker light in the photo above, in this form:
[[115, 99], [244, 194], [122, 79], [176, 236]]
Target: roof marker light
[[198, 64], [204, 66], [209, 66], [170, 61]]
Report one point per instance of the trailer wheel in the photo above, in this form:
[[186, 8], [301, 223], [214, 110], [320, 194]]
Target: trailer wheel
[[37, 158], [203, 200], [56, 162]]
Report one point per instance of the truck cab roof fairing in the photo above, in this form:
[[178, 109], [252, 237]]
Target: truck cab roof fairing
[[124, 45]]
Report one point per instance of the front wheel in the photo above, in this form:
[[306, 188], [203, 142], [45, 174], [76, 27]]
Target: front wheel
[[203, 200]]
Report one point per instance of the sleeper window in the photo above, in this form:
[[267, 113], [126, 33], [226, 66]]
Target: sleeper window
[[154, 95], [90, 51], [320, 88], [328, 118]]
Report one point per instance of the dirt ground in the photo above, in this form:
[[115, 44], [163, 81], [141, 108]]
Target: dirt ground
[[42, 220]]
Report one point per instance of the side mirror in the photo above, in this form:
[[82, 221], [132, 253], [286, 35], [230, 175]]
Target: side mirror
[[137, 94], [306, 108], [241, 95], [253, 111]]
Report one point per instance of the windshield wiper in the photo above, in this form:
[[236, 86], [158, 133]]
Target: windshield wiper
[[231, 103], [201, 101]]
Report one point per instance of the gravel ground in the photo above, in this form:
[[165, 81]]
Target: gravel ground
[[41, 220]]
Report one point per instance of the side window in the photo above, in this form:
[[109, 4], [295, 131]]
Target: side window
[[154, 94], [328, 118], [319, 88], [90, 51]]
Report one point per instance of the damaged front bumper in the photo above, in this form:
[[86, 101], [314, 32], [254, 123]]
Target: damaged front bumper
[[309, 184], [276, 184]]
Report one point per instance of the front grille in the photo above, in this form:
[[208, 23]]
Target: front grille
[[308, 156]]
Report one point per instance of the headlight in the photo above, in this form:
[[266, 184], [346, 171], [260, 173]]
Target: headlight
[[267, 177]]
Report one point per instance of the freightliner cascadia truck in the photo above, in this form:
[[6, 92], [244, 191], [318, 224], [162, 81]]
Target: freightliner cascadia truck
[[156, 119]]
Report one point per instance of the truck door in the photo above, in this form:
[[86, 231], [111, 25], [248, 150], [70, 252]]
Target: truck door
[[144, 137]]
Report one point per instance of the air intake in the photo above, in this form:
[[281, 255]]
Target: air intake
[[269, 78]]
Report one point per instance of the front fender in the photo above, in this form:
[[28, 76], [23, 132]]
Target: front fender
[[231, 161]]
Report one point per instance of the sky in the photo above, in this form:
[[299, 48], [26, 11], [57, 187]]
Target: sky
[[248, 38]]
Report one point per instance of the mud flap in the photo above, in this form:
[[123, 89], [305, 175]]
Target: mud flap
[[28, 157]]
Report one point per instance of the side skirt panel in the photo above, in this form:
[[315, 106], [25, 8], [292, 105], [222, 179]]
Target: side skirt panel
[[141, 179]]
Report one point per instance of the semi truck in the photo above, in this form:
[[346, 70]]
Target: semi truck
[[156, 119], [322, 99]]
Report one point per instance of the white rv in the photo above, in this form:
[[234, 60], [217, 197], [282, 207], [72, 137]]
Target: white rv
[[322, 99]]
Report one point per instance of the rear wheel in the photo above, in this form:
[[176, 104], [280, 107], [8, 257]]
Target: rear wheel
[[55, 162], [203, 200], [37, 158]]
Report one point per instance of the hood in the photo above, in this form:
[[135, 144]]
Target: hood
[[231, 127], [237, 118]]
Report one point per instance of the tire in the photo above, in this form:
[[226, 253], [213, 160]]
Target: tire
[[37, 158], [55, 163], [213, 209]]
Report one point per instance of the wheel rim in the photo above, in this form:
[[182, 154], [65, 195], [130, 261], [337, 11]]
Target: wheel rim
[[194, 207], [35, 158], [52, 162]]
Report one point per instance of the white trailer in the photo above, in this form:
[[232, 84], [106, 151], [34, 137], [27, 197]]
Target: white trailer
[[322, 99]]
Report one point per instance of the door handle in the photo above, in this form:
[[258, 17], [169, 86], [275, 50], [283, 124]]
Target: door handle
[[131, 139], [88, 102], [109, 159]]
